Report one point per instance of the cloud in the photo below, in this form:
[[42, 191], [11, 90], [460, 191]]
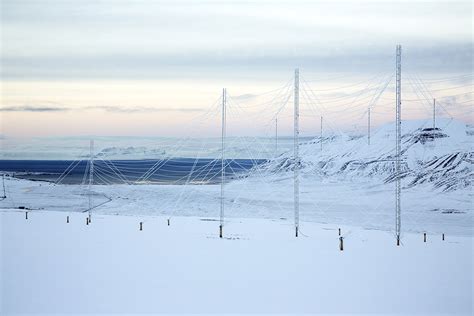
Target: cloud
[[120, 109], [115, 109], [247, 96], [28, 108], [444, 57], [229, 38], [334, 94]]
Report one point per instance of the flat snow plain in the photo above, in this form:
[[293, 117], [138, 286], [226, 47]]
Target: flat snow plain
[[49, 266], [368, 204]]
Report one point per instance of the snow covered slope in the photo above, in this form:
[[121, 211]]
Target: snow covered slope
[[441, 156]]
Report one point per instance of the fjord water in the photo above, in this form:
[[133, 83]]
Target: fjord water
[[166, 171]]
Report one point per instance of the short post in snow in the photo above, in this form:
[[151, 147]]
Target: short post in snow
[[141, 226], [341, 243], [398, 240], [220, 231], [424, 237], [26, 215], [443, 237], [339, 232], [168, 222], [87, 220], [67, 219]]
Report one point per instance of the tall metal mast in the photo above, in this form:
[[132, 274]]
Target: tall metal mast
[[224, 100], [4, 191], [296, 151], [276, 136], [321, 138], [368, 126], [91, 175], [398, 142]]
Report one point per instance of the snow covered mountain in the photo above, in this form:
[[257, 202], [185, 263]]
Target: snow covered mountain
[[441, 156]]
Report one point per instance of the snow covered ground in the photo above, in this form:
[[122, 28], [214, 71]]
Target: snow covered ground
[[368, 204], [51, 267]]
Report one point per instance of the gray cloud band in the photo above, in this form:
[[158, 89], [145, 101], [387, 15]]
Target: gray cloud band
[[116, 109]]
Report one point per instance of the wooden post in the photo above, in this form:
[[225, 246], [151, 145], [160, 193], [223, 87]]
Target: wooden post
[[424, 237], [341, 243], [220, 231], [168, 222], [26, 215], [398, 241], [339, 232], [141, 226], [443, 236], [67, 219], [87, 220]]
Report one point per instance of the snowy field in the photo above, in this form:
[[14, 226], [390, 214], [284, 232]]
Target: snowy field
[[368, 204], [110, 266]]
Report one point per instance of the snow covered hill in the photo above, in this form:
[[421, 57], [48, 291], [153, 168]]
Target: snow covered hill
[[441, 156]]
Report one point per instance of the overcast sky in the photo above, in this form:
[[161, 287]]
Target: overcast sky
[[173, 45], [52, 38]]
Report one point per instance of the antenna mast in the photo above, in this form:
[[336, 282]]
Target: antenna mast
[[224, 100], [296, 151], [321, 138], [4, 192], [398, 142], [368, 126], [91, 175], [276, 136]]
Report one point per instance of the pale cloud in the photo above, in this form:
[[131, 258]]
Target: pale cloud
[[29, 108], [115, 109], [246, 97], [140, 109], [69, 59], [159, 39]]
